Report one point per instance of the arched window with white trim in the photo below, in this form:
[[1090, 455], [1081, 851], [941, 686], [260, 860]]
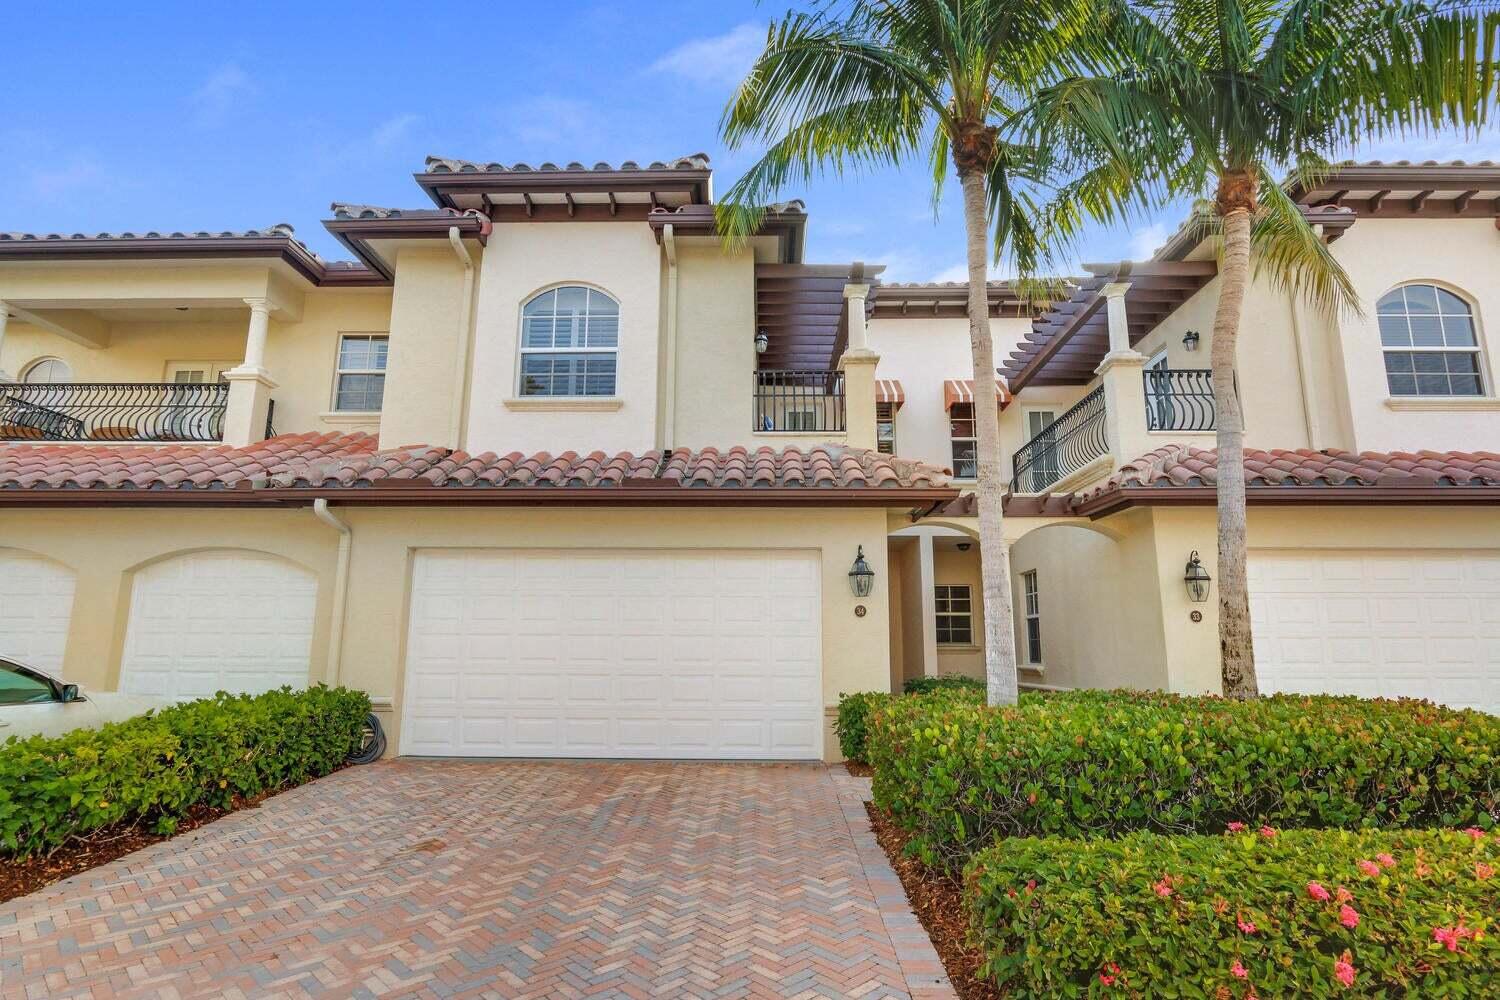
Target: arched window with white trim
[[570, 339], [1430, 343], [47, 370]]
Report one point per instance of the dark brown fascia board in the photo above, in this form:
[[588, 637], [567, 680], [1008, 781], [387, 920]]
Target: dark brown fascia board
[[224, 247], [789, 228], [1385, 176], [503, 496], [1182, 242], [1293, 496], [355, 235], [439, 185]]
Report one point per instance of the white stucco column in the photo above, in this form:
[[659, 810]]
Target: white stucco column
[[855, 296], [858, 365], [927, 576], [250, 384], [1120, 374], [4, 316]]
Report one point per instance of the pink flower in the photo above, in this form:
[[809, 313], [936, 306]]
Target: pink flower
[[1370, 868], [1386, 861], [1238, 971], [1348, 916], [1236, 827], [1030, 884], [1343, 970], [1446, 936], [1267, 832], [1163, 888], [1316, 891], [1483, 871], [1474, 832], [1246, 926], [1107, 977], [1343, 895]]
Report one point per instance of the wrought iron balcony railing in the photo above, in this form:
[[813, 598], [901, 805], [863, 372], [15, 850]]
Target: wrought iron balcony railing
[[112, 411], [1063, 447], [801, 401], [1179, 399]]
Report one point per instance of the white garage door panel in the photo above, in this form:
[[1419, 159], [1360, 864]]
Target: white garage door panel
[[218, 621], [614, 654], [35, 610], [1395, 623]]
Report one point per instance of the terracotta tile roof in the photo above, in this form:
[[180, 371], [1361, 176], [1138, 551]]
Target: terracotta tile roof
[[352, 461], [448, 165], [347, 210], [280, 229], [1181, 465]]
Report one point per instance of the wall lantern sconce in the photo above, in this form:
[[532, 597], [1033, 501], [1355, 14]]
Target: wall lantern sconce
[[861, 576], [1190, 340], [762, 341], [1197, 579]]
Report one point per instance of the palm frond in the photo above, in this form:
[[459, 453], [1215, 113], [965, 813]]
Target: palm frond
[[1287, 251]]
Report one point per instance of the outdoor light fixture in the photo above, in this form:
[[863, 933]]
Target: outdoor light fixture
[[964, 546], [1197, 579], [1190, 340], [861, 576], [762, 341]]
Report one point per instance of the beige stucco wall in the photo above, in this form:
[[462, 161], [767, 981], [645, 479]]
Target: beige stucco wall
[[105, 547], [426, 329], [923, 352], [952, 568], [622, 260], [715, 346]]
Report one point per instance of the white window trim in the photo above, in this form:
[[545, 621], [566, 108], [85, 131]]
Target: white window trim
[[893, 409], [521, 401], [1031, 594], [1419, 401], [338, 351], [955, 440], [967, 615], [36, 363]]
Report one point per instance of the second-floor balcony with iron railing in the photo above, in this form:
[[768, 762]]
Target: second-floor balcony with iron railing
[[799, 401], [112, 411], [1064, 446], [1179, 399]]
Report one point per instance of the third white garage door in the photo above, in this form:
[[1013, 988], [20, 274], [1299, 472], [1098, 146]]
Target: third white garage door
[[1379, 623], [544, 653]]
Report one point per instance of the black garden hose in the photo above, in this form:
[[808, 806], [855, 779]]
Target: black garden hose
[[371, 742]]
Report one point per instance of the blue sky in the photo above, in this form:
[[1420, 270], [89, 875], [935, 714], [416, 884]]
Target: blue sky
[[231, 116]]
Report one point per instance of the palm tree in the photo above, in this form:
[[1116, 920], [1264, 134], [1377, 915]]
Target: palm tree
[[872, 83], [1208, 97]]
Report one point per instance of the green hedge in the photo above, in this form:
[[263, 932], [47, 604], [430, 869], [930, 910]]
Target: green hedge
[[153, 769], [947, 682], [1228, 915], [853, 719], [956, 774]]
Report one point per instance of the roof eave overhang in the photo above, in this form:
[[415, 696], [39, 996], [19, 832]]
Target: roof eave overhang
[[1125, 498], [287, 251], [356, 234], [440, 187], [788, 228]]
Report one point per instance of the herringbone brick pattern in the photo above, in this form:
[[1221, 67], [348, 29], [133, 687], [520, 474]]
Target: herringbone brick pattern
[[481, 879]]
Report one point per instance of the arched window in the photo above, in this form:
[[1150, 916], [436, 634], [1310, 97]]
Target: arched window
[[47, 370], [1431, 346], [569, 340]]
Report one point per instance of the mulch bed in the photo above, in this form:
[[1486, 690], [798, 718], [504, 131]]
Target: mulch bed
[[937, 899], [858, 769]]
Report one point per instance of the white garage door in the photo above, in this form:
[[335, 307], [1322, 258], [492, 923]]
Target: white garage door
[[218, 621], [35, 608], [526, 653], [1388, 623]]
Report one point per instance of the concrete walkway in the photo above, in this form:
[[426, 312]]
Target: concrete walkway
[[484, 879]]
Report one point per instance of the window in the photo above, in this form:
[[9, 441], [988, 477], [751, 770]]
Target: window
[[19, 686], [965, 449], [569, 340], [955, 616], [1431, 347], [1039, 428], [47, 370], [885, 428], [360, 385], [1033, 614]]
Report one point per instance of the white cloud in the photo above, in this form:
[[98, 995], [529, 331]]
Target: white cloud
[[548, 120], [391, 131], [958, 272], [220, 93], [1145, 242], [721, 59]]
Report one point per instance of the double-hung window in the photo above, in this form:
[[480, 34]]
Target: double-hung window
[[955, 616], [885, 428], [965, 447], [1033, 616], [1430, 344], [359, 385], [569, 341]]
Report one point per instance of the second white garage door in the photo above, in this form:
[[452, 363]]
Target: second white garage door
[[530, 653], [1379, 623]]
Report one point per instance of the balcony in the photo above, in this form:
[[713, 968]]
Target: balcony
[[1179, 399], [1068, 444], [113, 411], [799, 401]]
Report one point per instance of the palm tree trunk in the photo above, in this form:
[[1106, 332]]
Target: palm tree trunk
[[994, 555], [1236, 649]]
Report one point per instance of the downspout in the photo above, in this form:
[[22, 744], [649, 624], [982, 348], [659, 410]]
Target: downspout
[[1304, 365], [340, 590], [461, 366], [669, 415]]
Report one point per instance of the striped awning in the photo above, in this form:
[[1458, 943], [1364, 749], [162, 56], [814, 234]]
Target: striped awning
[[888, 390], [961, 390]]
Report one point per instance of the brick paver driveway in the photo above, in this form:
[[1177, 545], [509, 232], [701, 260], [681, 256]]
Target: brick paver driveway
[[517, 879]]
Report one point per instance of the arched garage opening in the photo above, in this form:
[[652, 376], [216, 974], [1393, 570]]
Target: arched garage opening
[[35, 609], [221, 620]]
